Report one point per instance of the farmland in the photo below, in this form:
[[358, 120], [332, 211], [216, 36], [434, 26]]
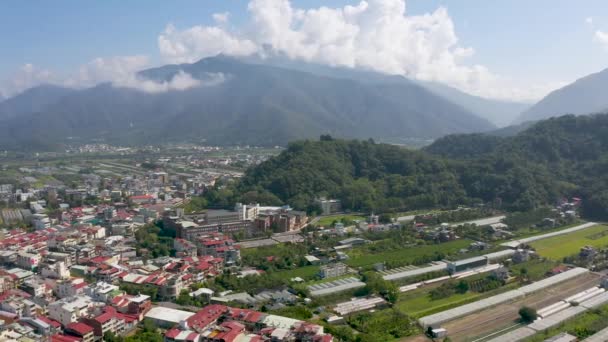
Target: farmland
[[558, 247], [360, 257], [328, 220]]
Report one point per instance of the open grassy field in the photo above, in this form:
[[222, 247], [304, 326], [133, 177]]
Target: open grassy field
[[419, 304], [328, 220], [306, 273], [360, 257], [562, 246]]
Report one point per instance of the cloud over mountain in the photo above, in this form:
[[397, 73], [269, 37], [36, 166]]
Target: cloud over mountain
[[377, 34]]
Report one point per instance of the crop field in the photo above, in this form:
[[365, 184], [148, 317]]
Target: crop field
[[328, 220], [420, 304], [360, 258], [562, 246], [306, 272]]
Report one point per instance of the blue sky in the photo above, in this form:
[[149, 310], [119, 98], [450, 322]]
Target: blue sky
[[540, 41]]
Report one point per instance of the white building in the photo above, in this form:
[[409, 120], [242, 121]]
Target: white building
[[102, 291], [28, 261], [68, 310], [41, 221], [57, 270]]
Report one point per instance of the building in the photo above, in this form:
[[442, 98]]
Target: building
[[247, 212], [81, 330], [41, 221], [467, 264], [28, 261], [70, 310], [333, 270], [167, 317], [102, 291], [329, 206]]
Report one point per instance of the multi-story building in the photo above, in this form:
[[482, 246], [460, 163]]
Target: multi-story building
[[102, 291], [28, 261], [70, 310]]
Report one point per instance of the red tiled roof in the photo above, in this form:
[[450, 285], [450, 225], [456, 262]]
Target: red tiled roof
[[206, 316], [80, 328], [192, 337], [104, 317], [65, 338], [172, 333], [49, 321], [245, 315]]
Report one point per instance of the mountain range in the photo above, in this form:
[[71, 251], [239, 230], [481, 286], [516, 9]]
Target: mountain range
[[585, 96], [252, 103], [229, 101]]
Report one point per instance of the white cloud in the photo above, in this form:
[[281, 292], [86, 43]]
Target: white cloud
[[27, 76], [121, 71], [589, 20], [221, 18], [373, 34], [190, 45], [179, 82], [601, 37]]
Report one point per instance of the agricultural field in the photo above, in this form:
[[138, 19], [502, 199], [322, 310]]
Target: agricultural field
[[419, 303], [306, 272], [326, 221], [581, 326], [558, 247], [360, 257]]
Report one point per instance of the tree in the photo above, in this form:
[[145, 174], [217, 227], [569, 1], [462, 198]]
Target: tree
[[462, 287], [527, 314]]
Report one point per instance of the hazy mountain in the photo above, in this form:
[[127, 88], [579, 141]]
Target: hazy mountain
[[585, 96], [500, 113], [31, 100], [245, 104]]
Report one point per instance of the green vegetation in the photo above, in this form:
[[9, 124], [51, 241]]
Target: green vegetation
[[558, 247], [553, 159], [296, 312], [581, 326], [416, 254], [306, 272], [532, 270], [419, 303], [384, 325], [154, 241], [347, 220], [527, 314], [148, 333]]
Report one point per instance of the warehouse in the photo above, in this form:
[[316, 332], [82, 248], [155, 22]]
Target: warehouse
[[467, 264], [335, 286]]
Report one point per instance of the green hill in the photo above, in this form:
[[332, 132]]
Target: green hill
[[559, 157]]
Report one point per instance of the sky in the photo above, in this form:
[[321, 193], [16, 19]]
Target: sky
[[510, 49]]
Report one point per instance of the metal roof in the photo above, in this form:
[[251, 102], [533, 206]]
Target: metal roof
[[415, 272], [514, 335], [516, 243], [556, 319], [448, 315], [600, 336]]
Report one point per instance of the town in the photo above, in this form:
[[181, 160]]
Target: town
[[112, 249]]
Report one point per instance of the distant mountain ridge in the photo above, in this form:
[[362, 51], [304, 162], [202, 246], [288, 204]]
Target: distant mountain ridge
[[587, 95], [254, 104]]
